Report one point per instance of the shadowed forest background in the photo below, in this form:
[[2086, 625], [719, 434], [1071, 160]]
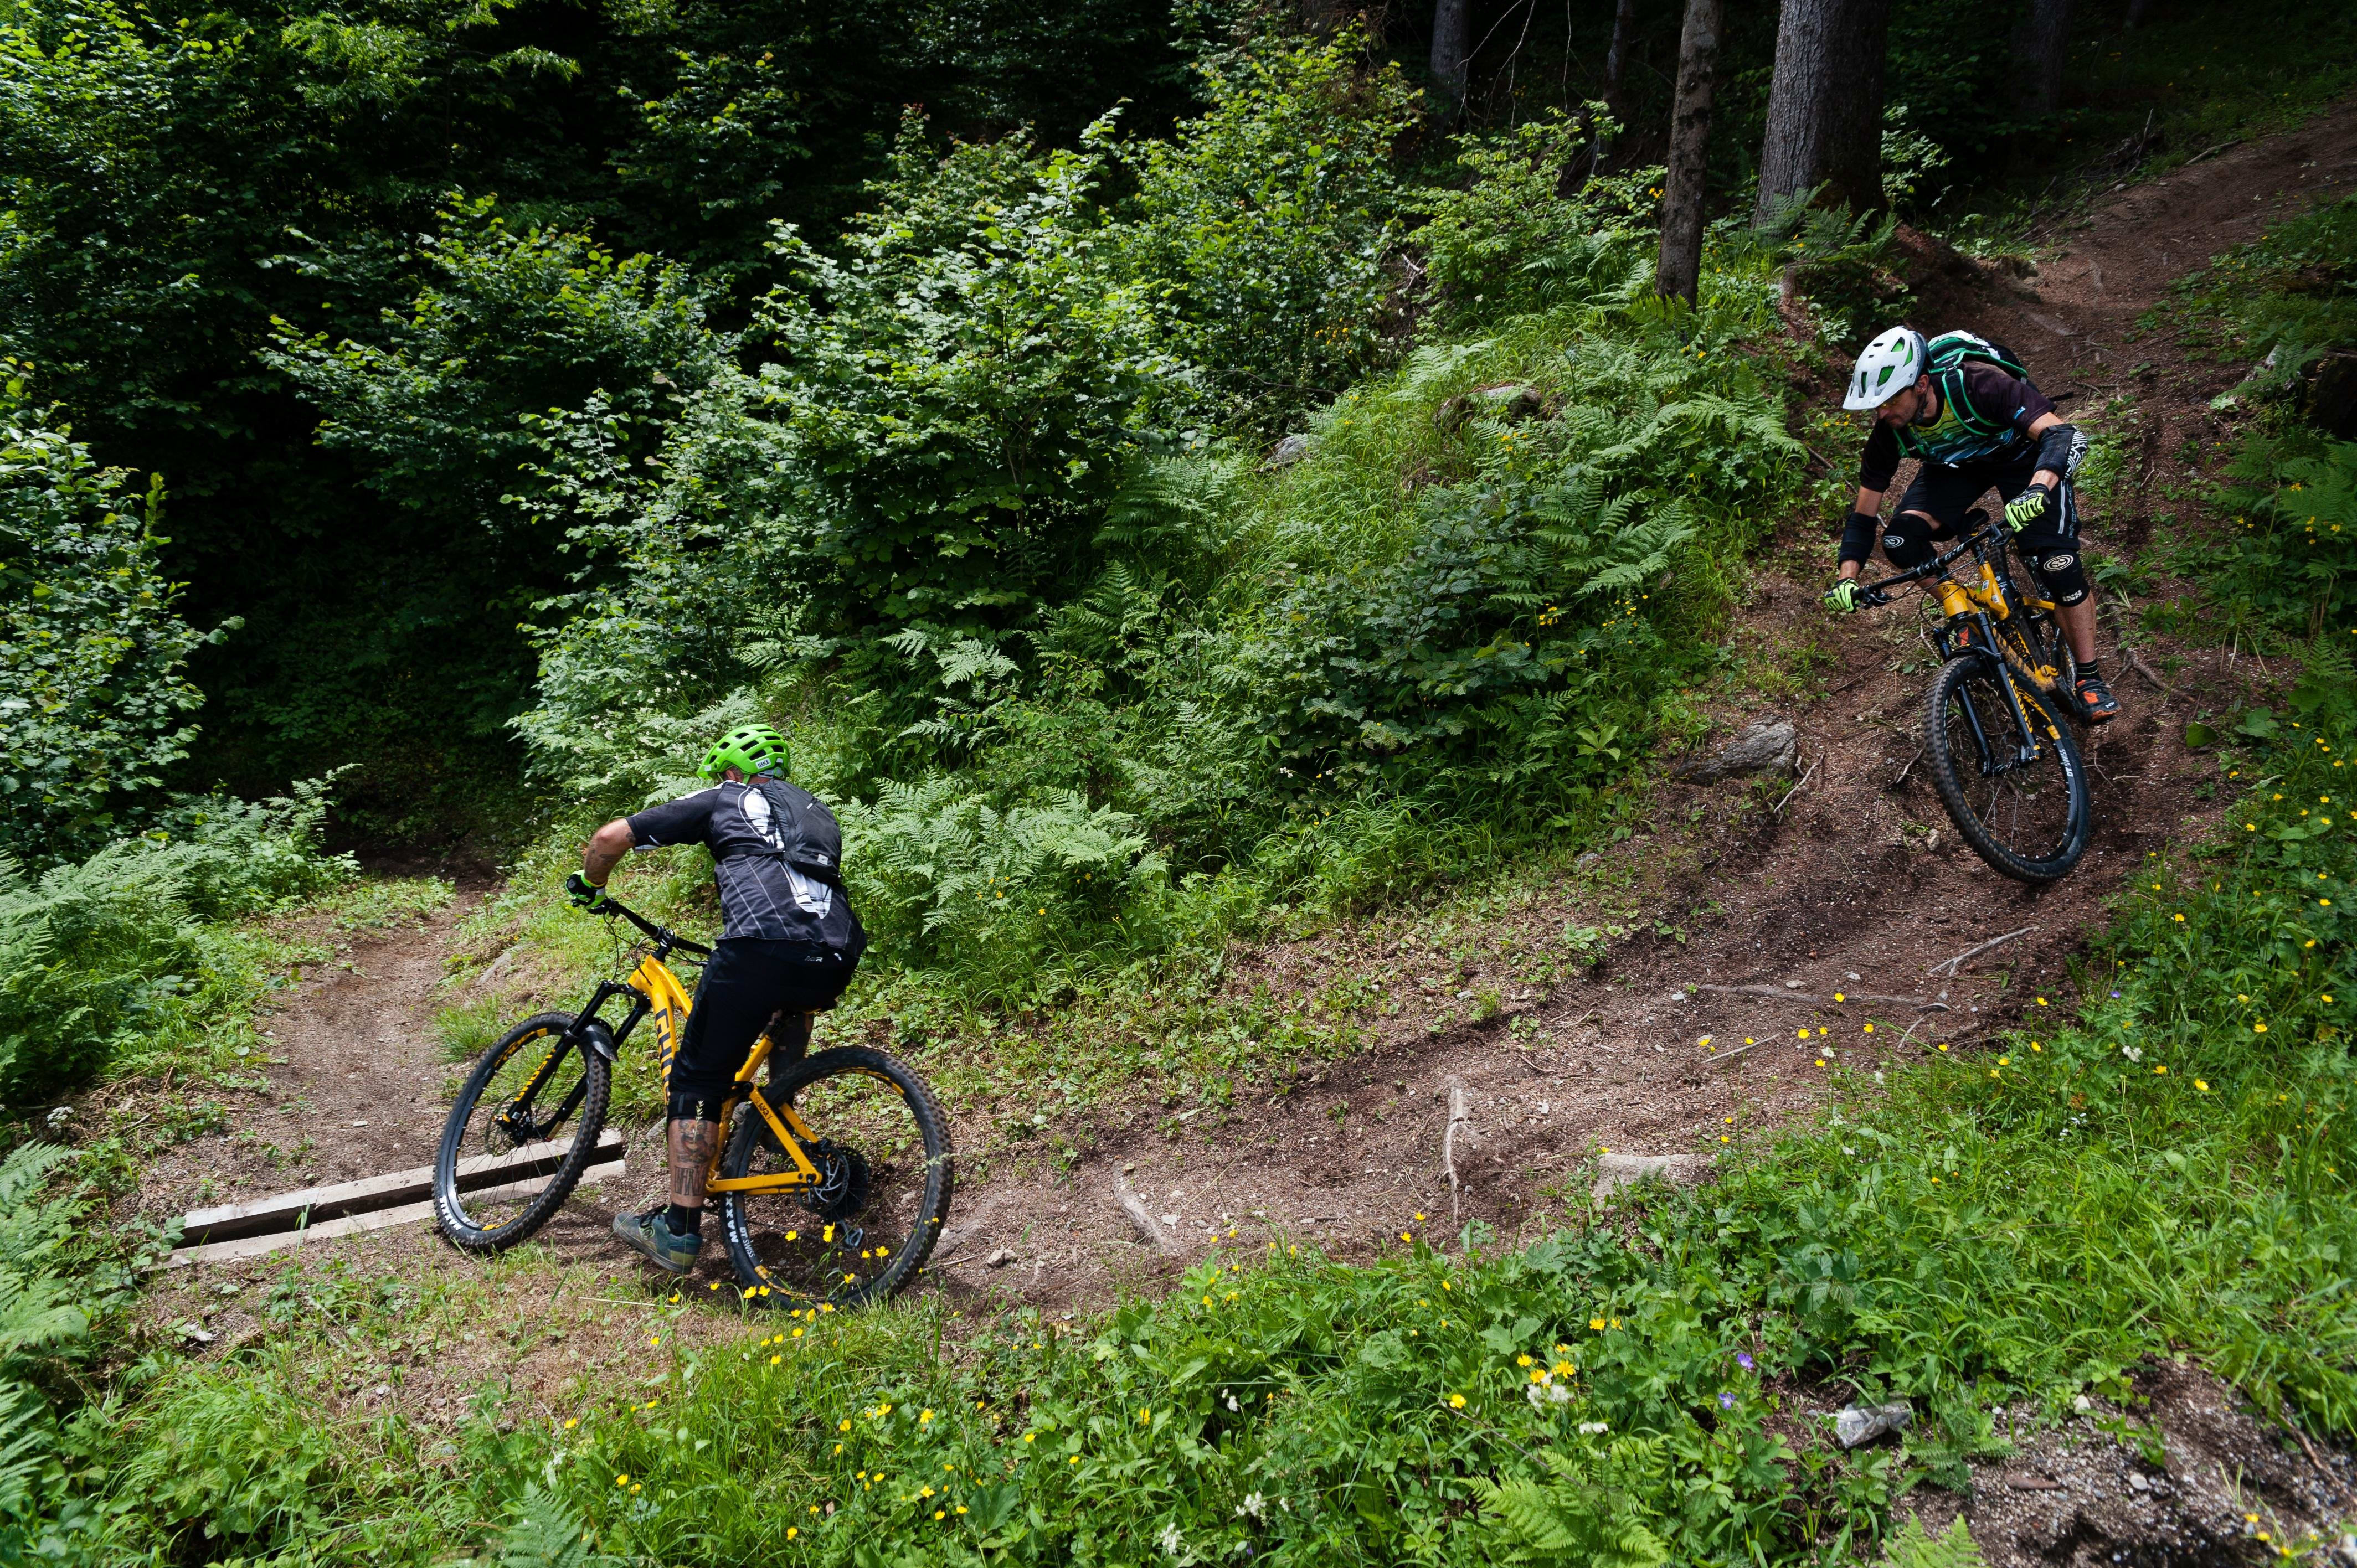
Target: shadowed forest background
[[349, 282]]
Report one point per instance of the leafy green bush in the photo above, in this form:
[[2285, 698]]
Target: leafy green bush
[[1265, 228], [1507, 240], [2289, 562], [93, 704], [431, 397]]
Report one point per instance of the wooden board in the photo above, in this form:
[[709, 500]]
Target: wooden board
[[356, 1224], [287, 1210]]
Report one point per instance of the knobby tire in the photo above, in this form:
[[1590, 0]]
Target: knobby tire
[[1989, 811], [450, 1208], [784, 1240]]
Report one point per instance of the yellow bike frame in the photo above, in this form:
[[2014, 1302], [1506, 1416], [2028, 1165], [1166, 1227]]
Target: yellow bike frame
[[668, 1004]]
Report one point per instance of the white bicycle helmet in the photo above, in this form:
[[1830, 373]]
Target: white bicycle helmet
[[1889, 365]]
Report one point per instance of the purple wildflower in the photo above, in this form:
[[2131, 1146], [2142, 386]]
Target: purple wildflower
[[1727, 1402], [1743, 1359]]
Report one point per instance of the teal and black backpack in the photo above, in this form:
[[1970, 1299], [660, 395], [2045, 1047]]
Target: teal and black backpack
[[1963, 430]]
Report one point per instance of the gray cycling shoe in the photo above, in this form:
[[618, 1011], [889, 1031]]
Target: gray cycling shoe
[[650, 1234]]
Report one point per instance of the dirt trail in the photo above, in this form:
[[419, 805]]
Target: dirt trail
[[354, 1069], [1859, 885]]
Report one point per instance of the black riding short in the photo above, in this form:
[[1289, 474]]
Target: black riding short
[[1946, 494], [748, 980]]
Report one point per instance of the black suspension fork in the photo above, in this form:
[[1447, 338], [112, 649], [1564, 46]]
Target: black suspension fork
[[517, 1117], [1990, 767]]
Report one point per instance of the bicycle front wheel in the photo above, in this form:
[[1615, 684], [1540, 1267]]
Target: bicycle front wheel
[[2019, 799], [882, 1150], [520, 1134]]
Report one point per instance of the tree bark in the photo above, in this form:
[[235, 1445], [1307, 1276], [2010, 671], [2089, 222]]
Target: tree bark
[[1616, 72], [1448, 52], [2040, 47], [1680, 271], [1825, 105]]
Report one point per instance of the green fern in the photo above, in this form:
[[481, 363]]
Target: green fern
[[1910, 1547], [1568, 1519], [544, 1533]]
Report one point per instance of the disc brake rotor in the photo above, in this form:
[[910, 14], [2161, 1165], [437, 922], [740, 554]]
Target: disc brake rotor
[[843, 1181]]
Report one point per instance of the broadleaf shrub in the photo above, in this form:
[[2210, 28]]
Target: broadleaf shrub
[[94, 699]]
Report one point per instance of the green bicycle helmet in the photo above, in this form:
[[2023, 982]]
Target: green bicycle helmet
[[756, 748]]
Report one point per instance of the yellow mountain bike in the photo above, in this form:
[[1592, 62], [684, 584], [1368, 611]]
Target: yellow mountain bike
[[1997, 721], [834, 1174]]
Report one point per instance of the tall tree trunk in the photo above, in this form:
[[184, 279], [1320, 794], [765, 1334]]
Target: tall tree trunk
[[1616, 72], [2040, 47], [1680, 271], [1825, 106], [1448, 52]]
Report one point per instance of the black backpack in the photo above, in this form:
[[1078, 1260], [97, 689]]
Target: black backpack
[[811, 843]]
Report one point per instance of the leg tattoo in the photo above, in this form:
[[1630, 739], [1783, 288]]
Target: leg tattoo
[[692, 1144]]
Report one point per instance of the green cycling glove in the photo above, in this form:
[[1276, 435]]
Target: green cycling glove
[[594, 900], [1844, 595], [2028, 507]]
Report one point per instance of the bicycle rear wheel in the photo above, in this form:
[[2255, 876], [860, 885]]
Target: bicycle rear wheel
[[520, 1134], [883, 1150], [2019, 799]]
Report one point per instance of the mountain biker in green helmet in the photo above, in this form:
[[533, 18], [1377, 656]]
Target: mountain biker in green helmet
[[1966, 410], [788, 944]]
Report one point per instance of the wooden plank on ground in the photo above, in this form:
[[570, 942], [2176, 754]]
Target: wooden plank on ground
[[358, 1224], [287, 1211]]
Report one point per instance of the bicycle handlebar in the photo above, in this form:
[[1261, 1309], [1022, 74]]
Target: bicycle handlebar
[[1876, 594], [661, 935]]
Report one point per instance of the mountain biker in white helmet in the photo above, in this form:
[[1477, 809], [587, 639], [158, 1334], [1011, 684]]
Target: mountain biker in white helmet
[[1963, 407]]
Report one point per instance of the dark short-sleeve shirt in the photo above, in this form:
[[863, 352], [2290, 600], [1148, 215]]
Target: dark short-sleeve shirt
[[1995, 393], [760, 895]]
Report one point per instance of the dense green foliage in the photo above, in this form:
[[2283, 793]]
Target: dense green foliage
[[965, 534], [218, 222], [93, 699], [197, 206], [119, 954]]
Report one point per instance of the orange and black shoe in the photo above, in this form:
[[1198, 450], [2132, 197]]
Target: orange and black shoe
[[2097, 703]]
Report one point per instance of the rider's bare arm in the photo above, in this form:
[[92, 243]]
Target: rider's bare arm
[[605, 849]]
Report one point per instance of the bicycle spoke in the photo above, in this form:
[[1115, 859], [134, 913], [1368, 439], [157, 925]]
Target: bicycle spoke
[[2023, 803]]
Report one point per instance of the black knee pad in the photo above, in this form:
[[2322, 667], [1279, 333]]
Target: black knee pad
[[2058, 567], [691, 1106], [1907, 540]]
